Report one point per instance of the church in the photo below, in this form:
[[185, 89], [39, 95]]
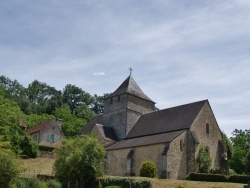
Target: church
[[132, 131]]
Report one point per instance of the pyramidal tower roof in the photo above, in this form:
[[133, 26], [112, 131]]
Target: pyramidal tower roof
[[130, 86]]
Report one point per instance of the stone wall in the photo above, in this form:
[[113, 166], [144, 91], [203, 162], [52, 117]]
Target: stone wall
[[175, 165], [55, 138], [210, 140], [121, 112]]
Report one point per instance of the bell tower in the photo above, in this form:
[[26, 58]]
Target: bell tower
[[125, 105]]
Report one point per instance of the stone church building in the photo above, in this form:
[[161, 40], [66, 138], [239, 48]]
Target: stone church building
[[133, 131]]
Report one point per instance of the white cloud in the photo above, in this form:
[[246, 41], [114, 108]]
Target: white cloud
[[99, 73]]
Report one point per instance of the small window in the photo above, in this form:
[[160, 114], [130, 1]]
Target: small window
[[181, 145], [207, 128], [111, 101], [118, 98]]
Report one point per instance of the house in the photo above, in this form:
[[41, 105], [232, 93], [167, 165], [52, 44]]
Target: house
[[133, 131], [48, 133]]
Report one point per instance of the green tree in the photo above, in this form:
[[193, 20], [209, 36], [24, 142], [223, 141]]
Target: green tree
[[79, 159], [203, 159], [98, 104], [227, 144], [71, 124], [76, 97], [247, 163], [241, 144], [10, 168], [148, 169]]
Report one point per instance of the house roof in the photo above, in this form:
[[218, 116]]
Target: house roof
[[107, 132], [98, 119], [162, 121], [131, 87], [39, 127], [146, 140]]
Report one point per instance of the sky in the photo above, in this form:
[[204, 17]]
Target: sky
[[180, 51]]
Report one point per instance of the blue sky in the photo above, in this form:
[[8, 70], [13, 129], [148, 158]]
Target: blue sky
[[181, 51]]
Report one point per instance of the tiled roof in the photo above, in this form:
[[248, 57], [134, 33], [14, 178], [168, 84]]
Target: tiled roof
[[131, 87], [98, 119], [107, 132], [171, 119], [39, 127], [146, 140]]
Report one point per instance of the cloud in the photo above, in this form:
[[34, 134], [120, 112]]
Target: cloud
[[99, 73]]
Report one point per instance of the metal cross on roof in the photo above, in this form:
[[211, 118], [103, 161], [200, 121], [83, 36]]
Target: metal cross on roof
[[130, 69]]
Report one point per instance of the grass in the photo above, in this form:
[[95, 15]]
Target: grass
[[37, 166], [157, 183]]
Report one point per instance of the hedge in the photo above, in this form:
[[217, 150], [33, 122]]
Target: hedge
[[218, 178], [207, 177], [123, 182], [46, 148], [239, 179]]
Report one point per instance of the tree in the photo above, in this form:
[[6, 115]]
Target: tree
[[9, 167], [247, 163], [79, 159], [98, 104], [148, 169], [76, 97], [227, 144], [71, 124], [241, 144], [203, 159]]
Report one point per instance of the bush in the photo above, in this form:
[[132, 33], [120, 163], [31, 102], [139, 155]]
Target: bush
[[9, 168], [117, 182], [207, 177], [148, 169], [46, 148], [239, 179], [34, 183], [232, 172], [215, 171]]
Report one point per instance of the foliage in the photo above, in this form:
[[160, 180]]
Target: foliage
[[79, 158], [9, 167], [247, 162], [75, 97], [232, 172], [46, 148], [228, 145], [207, 177], [71, 124], [34, 183], [123, 182], [239, 179], [203, 159], [98, 104], [241, 144], [148, 169], [32, 120]]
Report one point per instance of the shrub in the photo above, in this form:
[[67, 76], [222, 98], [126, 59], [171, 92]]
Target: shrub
[[148, 169], [203, 159], [46, 148], [239, 179], [53, 184], [232, 172], [123, 182], [206, 177], [9, 168]]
